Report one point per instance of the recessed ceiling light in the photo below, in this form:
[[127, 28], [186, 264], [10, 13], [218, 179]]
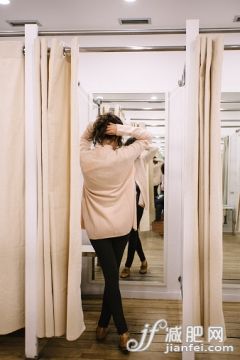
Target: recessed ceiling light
[[130, 0], [134, 21], [4, 2], [153, 97]]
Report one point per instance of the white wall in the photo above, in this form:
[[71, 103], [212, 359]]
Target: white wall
[[143, 72], [231, 71], [131, 72], [231, 68]]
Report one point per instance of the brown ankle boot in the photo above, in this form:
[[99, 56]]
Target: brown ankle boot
[[143, 267], [123, 339], [101, 333], [125, 273]]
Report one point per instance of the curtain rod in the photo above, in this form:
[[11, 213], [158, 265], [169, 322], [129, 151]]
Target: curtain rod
[[230, 102], [147, 119], [142, 109], [67, 50], [155, 101], [158, 125], [127, 101], [229, 126], [112, 49], [227, 110], [224, 30], [230, 120]]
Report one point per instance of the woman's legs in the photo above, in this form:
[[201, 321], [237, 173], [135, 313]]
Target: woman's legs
[[110, 252], [159, 204], [134, 243], [155, 190]]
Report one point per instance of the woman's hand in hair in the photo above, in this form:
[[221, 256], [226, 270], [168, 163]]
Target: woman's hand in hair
[[111, 129]]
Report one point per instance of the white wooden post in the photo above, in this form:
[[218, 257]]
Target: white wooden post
[[31, 343], [173, 190], [192, 31]]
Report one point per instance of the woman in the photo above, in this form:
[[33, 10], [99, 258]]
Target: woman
[[134, 243], [108, 206]]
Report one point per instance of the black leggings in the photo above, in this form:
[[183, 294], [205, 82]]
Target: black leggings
[[155, 190], [109, 252], [134, 239], [159, 206]]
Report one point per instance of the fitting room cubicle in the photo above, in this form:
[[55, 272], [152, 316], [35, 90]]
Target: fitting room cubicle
[[177, 251]]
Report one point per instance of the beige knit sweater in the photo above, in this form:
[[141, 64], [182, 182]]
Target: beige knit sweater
[[108, 199]]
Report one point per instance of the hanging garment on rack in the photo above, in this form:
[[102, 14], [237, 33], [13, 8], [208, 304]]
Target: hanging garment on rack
[[59, 194], [12, 243]]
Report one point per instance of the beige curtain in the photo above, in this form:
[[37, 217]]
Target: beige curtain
[[59, 194], [12, 244], [209, 256]]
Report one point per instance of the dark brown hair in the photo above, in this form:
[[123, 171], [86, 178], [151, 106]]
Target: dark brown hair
[[100, 127], [130, 141]]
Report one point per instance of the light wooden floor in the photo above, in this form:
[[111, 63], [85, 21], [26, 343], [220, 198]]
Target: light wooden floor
[[231, 257], [152, 244], [137, 312]]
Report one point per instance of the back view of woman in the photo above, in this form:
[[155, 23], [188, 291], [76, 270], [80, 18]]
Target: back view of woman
[[108, 206]]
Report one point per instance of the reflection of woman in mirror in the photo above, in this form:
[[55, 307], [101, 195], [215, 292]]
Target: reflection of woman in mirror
[[159, 200], [108, 206], [141, 202]]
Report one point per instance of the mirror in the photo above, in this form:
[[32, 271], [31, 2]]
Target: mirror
[[230, 133], [146, 110]]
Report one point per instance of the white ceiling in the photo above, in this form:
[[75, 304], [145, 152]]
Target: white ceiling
[[104, 14]]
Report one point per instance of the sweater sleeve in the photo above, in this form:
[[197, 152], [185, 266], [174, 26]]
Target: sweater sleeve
[[149, 153], [131, 152], [136, 132], [85, 143]]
